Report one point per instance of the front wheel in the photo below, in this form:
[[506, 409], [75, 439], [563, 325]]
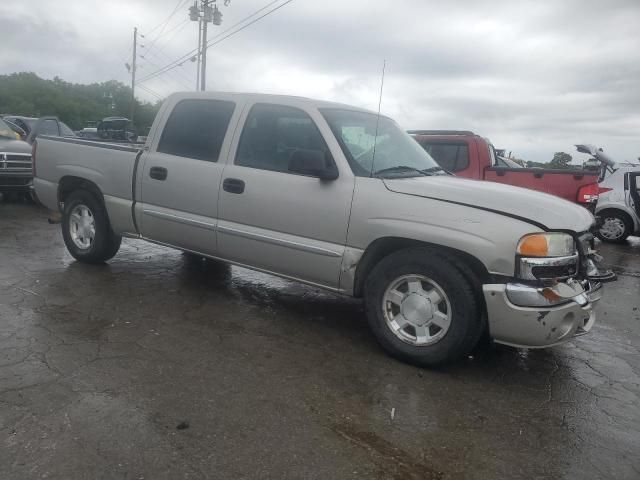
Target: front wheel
[[86, 229], [422, 308], [616, 226]]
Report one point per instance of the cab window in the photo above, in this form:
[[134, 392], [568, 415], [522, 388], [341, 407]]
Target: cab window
[[65, 131], [196, 129], [49, 127], [272, 133], [453, 157]]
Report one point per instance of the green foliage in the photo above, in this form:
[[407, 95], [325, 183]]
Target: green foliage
[[27, 94], [560, 160]]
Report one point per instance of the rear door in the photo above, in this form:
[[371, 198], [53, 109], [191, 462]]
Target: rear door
[[632, 193], [180, 175], [291, 224]]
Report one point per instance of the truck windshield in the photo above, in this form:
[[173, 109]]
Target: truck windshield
[[396, 153], [6, 131]]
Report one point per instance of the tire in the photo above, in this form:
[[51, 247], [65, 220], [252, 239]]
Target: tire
[[84, 215], [424, 340], [616, 226]]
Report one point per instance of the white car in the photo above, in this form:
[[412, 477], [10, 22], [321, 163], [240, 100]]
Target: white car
[[619, 205]]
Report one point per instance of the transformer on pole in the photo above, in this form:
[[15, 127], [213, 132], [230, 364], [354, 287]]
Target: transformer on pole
[[204, 12]]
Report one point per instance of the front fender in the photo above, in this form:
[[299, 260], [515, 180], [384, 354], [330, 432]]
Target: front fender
[[488, 236]]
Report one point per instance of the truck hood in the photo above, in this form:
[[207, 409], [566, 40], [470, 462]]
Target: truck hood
[[8, 145], [541, 209]]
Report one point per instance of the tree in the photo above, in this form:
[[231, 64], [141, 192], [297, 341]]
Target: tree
[[27, 94], [560, 160]]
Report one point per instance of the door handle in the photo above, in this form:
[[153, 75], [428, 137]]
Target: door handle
[[158, 173], [233, 185]]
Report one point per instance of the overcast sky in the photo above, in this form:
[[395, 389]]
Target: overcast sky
[[535, 77]]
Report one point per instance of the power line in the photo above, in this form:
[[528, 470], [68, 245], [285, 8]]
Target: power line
[[179, 5], [182, 59], [213, 41], [179, 74], [181, 24], [155, 53], [177, 79], [151, 92]]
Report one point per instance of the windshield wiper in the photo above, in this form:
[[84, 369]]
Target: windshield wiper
[[432, 170], [400, 169]]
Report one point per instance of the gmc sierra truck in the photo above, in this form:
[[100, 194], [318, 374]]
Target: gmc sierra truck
[[469, 155], [16, 176], [343, 199]]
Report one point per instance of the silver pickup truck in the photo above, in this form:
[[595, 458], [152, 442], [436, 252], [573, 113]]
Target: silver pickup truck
[[343, 199]]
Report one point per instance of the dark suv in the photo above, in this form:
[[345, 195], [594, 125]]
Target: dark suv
[[16, 170]]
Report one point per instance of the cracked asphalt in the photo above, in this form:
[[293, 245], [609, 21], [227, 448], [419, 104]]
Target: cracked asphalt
[[160, 366]]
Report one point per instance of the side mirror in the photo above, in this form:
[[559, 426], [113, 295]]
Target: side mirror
[[313, 163]]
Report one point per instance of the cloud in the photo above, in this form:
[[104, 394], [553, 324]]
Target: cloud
[[534, 76]]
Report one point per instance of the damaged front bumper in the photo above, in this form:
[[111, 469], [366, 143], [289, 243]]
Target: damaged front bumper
[[535, 317]]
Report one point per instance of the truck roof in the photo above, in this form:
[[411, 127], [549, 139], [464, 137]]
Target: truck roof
[[291, 100]]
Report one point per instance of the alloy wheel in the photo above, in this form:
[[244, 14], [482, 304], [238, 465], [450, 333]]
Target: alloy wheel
[[82, 226], [417, 310]]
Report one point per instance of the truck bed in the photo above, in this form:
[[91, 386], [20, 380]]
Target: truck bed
[[475, 159], [563, 183], [109, 166]]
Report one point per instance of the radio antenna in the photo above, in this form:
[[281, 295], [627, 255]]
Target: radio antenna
[[375, 138]]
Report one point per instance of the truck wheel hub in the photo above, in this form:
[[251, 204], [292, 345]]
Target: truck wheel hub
[[612, 228], [82, 226], [417, 310]]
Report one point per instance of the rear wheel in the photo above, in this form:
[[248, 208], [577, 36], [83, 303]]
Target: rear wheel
[[616, 226], [86, 229], [421, 308]]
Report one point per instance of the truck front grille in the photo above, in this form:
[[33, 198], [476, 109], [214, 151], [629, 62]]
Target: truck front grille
[[15, 162]]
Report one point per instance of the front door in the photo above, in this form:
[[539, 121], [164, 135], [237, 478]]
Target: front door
[[180, 178], [290, 224]]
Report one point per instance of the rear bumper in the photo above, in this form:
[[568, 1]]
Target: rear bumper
[[518, 316]]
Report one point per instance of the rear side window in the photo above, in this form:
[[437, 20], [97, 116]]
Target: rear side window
[[49, 127], [196, 129], [450, 156], [65, 131]]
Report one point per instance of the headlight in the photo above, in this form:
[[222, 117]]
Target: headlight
[[547, 256], [546, 245]]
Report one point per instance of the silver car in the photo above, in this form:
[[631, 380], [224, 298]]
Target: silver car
[[341, 198]]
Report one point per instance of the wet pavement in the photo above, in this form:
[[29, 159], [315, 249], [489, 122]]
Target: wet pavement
[[161, 366]]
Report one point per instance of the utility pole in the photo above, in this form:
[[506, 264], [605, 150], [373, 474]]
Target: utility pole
[[204, 13], [133, 75], [198, 54], [203, 46]]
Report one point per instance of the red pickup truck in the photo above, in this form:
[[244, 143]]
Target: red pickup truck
[[469, 155]]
